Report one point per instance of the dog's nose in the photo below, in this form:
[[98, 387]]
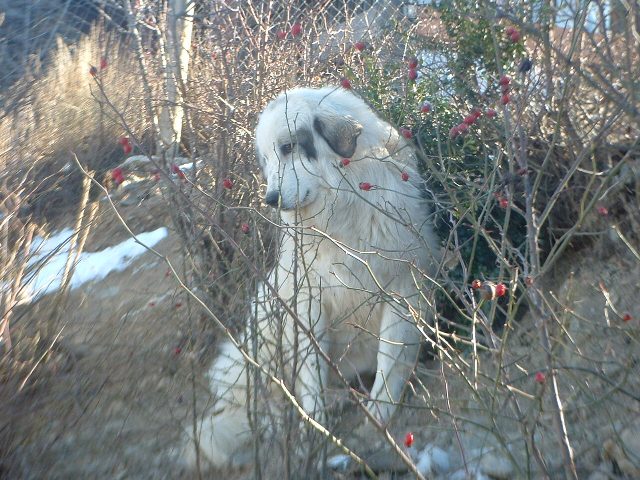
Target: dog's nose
[[271, 198]]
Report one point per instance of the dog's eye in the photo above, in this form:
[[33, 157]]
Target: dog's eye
[[287, 148]]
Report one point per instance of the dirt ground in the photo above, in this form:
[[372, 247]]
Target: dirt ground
[[111, 399]]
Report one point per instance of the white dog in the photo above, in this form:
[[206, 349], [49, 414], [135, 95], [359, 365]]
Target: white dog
[[354, 247]]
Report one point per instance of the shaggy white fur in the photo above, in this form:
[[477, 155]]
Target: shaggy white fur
[[349, 265]]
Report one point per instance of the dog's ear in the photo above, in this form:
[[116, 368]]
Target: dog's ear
[[340, 132]]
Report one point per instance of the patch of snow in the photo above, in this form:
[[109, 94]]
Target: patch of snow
[[189, 165], [182, 162], [140, 159], [432, 459], [339, 462], [473, 475], [47, 266]]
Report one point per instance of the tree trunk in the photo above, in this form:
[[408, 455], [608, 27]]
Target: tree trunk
[[179, 31]]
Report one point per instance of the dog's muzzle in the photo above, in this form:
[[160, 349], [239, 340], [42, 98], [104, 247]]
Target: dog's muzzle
[[272, 198]]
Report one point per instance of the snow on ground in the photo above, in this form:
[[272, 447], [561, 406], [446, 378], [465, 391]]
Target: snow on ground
[[48, 264]]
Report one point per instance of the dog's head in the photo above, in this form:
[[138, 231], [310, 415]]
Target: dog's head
[[300, 138]]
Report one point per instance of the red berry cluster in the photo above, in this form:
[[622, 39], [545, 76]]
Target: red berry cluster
[[467, 122], [175, 169], [504, 83], [502, 201], [359, 46], [406, 133], [489, 290], [412, 73], [117, 175], [295, 31], [127, 148], [93, 71], [513, 34]]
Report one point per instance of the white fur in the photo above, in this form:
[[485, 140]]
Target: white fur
[[340, 248]]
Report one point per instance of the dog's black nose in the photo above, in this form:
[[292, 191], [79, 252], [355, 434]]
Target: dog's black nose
[[271, 198]]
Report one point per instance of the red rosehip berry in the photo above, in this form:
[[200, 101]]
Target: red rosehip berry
[[501, 290], [245, 228], [227, 183], [540, 378], [123, 140], [127, 148], [413, 62], [469, 120], [515, 37], [604, 211], [174, 168], [345, 161], [406, 133], [178, 304], [463, 128], [117, 176], [425, 107], [505, 99], [504, 81], [366, 186], [627, 317], [491, 113], [281, 34], [152, 304], [476, 284], [103, 63], [408, 440], [413, 74], [359, 46], [404, 176], [509, 30], [181, 174], [116, 172], [177, 351], [296, 29], [93, 71], [504, 203], [345, 83]]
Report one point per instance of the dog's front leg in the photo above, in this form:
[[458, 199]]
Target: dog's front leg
[[397, 355], [311, 366]]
